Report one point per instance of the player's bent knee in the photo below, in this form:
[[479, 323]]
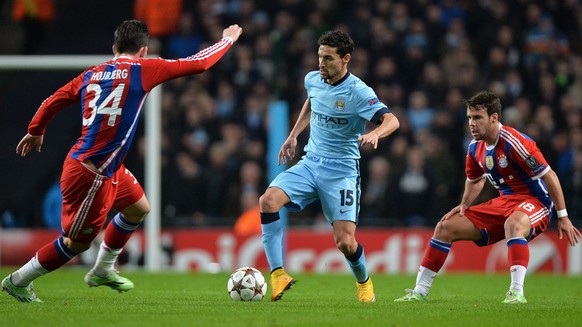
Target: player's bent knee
[[137, 212], [269, 202], [516, 227], [443, 231], [346, 245]]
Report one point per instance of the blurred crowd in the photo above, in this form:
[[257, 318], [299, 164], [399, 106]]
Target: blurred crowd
[[422, 58]]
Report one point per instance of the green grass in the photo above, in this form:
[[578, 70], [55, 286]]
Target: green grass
[[171, 299]]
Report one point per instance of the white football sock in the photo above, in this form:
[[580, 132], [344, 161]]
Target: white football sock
[[424, 280], [105, 260], [27, 273], [517, 279]]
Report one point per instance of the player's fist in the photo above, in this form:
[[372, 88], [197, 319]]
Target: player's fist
[[233, 31]]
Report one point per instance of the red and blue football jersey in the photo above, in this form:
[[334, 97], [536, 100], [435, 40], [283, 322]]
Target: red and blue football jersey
[[112, 96], [514, 165]]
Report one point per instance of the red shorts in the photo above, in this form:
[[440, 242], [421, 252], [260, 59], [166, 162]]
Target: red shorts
[[88, 197], [489, 217]]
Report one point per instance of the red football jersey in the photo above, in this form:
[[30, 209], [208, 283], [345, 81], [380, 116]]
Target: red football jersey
[[514, 165], [112, 95]]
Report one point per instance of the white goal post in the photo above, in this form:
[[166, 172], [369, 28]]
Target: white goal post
[[152, 137]]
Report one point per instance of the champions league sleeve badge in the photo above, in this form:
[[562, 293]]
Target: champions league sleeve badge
[[531, 162]]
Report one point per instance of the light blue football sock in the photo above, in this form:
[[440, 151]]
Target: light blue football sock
[[357, 262], [272, 238]]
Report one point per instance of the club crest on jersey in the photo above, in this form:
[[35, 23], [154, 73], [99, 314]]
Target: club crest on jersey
[[531, 162], [340, 104], [489, 162], [502, 161]]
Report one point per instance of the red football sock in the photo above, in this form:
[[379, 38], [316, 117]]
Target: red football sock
[[54, 255], [118, 232], [435, 255], [518, 252]]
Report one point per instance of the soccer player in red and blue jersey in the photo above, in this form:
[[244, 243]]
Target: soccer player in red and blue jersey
[[94, 179], [530, 195]]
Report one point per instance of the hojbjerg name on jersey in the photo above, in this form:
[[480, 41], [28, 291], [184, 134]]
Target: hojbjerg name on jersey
[[107, 75]]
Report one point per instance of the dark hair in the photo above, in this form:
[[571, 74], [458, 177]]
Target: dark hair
[[339, 40], [130, 36], [487, 100]]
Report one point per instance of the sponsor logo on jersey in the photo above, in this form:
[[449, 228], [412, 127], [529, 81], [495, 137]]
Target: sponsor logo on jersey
[[328, 121], [373, 101]]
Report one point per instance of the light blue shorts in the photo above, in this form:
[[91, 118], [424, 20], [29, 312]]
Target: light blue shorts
[[335, 182]]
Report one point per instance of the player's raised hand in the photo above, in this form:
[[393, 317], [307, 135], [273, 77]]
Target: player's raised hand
[[233, 31], [287, 151], [27, 143]]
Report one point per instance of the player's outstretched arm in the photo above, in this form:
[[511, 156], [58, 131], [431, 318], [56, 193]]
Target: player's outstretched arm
[[27, 143]]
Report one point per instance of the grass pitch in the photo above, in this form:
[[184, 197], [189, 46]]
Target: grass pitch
[[172, 299]]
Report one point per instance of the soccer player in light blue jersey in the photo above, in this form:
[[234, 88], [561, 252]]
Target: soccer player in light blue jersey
[[337, 107]]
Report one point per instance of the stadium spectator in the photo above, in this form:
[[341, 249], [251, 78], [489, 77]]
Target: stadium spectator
[[250, 180], [419, 113], [377, 199], [163, 18], [432, 84], [249, 222], [336, 110], [34, 15], [530, 195], [415, 189], [94, 179], [186, 40], [442, 166], [184, 198], [543, 39], [573, 185]]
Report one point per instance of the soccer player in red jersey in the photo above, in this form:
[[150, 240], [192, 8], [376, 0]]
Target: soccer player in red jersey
[[530, 196], [94, 179]]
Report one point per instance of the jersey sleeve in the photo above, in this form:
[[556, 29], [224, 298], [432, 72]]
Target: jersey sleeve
[[157, 70], [473, 170], [308, 80], [65, 96], [525, 152], [371, 108]]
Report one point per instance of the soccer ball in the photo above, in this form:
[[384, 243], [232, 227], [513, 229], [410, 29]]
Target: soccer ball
[[246, 284]]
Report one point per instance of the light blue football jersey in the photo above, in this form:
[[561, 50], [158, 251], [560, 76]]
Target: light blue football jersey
[[338, 115]]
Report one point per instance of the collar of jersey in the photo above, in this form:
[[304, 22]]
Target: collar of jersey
[[340, 81]]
